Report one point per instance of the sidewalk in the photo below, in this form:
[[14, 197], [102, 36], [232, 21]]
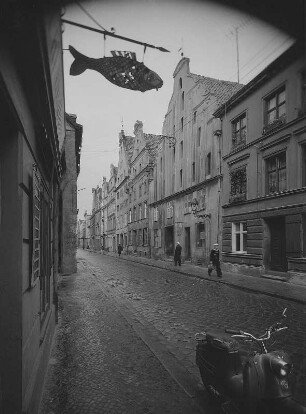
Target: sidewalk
[[264, 285]]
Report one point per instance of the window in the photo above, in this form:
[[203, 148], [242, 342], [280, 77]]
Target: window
[[199, 137], [140, 212], [140, 190], [181, 83], [181, 178], [135, 213], [239, 130], [155, 214], [195, 117], [169, 210], [303, 92], [182, 149], [304, 165], [182, 100], [145, 213], [140, 241], [157, 237], [208, 164], [239, 237], [275, 107], [182, 124], [200, 232], [161, 164], [276, 173], [193, 171], [145, 236], [238, 180]]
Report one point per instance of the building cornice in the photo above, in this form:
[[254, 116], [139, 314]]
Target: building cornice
[[186, 191]]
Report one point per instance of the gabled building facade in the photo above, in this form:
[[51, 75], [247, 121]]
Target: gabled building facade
[[264, 171], [141, 164], [126, 145], [109, 211], [187, 174]]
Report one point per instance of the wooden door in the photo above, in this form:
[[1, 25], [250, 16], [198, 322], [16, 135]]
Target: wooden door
[[278, 245]]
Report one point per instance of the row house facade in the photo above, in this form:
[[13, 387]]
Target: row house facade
[[108, 215], [126, 145], [84, 231], [264, 171], [96, 219], [185, 191], [141, 165], [70, 160], [33, 163]]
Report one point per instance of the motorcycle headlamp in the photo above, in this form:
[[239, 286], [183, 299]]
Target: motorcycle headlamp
[[280, 367]]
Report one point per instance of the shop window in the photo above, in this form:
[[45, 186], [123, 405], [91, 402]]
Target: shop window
[[239, 237], [276, 173], [239, 130], [200, 232]]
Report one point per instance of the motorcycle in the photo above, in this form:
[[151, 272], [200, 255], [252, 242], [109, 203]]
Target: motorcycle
[[244, 383]]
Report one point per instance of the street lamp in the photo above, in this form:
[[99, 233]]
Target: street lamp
[[195, 210]]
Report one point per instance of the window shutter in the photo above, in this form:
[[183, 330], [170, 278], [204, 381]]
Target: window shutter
[[36, 200]]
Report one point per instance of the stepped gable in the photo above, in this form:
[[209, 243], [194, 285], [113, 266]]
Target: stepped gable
[[129, 146]]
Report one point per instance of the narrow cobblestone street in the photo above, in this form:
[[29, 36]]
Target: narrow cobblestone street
[[125, 341]]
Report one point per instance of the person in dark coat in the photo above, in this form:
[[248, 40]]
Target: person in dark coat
[[177, 254], [215, 261], [120, 248]]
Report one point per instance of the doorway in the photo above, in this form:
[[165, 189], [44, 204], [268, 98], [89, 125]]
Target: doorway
[[187, 243], [169, 241], [278, 259]]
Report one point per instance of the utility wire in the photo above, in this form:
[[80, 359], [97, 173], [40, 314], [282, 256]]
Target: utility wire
[[90, 16]]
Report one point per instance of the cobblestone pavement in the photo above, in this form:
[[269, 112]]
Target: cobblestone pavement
[[100, 362], [178, 306]]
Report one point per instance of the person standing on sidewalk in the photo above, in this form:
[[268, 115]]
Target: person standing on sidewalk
[[177, 254], [119, 249], [215, 261]]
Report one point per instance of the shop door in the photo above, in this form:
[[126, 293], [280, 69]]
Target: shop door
[[278, 245]]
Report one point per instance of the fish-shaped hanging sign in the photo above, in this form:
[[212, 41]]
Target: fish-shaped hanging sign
[[122, 69]]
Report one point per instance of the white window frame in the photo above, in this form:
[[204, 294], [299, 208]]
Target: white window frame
[[241, 233]]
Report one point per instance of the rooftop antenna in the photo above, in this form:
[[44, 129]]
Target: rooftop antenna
[[234, 31]]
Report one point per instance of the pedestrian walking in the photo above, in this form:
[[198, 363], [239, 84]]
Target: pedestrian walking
[[178, 254], [214, 260], [120, 248]]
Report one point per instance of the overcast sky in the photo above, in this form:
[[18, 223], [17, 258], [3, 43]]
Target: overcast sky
[[205, 31]]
